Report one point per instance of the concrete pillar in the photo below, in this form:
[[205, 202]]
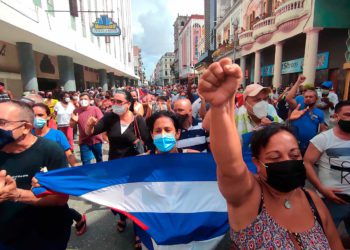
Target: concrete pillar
[[310, 56], [102, 76], [257, 67], [27, 66], [66, 69], [277, 71], [243, 68]]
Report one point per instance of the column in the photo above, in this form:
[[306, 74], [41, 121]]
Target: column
[[242, 64], [310, 56], [277, 71], [102, 76], [66, 69], [27, 66], [257, 67]]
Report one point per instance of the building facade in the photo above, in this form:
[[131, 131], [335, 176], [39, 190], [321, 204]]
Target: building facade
[[138, 65], [276, 40], [163, 72], [178, 26], [49, 43], [208, 41], [189, 41]]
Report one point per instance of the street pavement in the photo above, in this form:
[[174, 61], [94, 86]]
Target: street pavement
[[102, 233]]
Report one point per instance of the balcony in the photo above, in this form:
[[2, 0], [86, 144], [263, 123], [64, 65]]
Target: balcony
[[262, 30], [289, 14], [223, 50], [246, 39]]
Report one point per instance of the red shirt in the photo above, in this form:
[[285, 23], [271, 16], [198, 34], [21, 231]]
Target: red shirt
[[84, 115]]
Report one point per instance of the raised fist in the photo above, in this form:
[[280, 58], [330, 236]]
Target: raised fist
[[220, 82], [301, 79]]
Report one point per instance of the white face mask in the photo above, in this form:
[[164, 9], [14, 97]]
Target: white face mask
[[84, 103], [67, 99], [260, 109], [119, 110]]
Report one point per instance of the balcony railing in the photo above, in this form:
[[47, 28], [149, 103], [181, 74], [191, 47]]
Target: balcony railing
[[264, 26], [246, 37], [290, 10], [223, 50]]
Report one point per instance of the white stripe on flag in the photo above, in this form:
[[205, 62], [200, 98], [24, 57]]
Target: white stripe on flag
[[194, 245], [193, 141], [165, 197]]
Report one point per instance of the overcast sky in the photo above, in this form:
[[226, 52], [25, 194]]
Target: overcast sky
[[153, 26]]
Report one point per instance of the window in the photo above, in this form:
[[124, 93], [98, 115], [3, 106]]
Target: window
[[50, 7], [37, 3]]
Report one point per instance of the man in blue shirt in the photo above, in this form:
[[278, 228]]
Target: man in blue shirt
[[312, 121]]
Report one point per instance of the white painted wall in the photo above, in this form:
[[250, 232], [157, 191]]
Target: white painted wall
[[22, 21]]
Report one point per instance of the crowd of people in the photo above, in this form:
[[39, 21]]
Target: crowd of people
[[266, 143]]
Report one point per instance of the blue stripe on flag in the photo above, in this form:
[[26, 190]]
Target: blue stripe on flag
[[188, 226], [149, 168]]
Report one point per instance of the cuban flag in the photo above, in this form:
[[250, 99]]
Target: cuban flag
[[173, 198]]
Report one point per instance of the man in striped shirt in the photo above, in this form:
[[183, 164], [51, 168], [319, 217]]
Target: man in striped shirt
[[193, 136]]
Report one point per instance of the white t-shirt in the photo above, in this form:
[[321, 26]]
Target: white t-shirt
[[64, 114], [333, 97], [335, 158]]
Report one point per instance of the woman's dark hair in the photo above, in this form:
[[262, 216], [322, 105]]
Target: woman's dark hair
[[262, 137], [62, 94], [163, 113], [128, 97], [44, 107]]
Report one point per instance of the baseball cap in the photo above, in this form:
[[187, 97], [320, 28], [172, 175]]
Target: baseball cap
[[254, 89], [327, 84]]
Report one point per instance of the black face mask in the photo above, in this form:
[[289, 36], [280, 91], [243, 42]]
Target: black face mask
[[286, 176], [182, 119], [344, 125]]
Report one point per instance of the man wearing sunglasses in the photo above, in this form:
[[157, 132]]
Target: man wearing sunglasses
[[27, 222]]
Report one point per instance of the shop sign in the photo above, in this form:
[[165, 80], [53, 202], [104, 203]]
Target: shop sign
[[295, 66], [105, 26]]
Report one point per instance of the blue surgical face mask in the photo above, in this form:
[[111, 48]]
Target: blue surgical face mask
[[39, 122], [164, 142], [6, 137]]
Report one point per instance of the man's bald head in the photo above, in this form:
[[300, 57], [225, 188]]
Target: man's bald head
[[16, 110], [183, 107]]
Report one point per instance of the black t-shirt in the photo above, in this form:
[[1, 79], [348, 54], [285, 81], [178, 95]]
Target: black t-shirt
[[122, 145], [20, 222]]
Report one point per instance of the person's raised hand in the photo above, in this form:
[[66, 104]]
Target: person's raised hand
[[220, 82], [301, 79], [296, 113]]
